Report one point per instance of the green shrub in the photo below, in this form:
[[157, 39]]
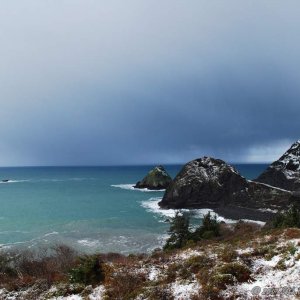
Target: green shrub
[[290, 218], [239, 271], [172, 271], [210, 228], [291, 248], [6, 268], [281, 265], [196, 263], [88, 271], [267, 251], [228, 254], [210, 291], [181, 236], [160, 292], [220, 281]]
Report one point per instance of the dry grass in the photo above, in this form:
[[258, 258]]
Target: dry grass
[[227, 253], [25, 268], [125, 285], [292, 233]]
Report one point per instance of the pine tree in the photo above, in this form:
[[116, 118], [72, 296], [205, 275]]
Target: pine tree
[[291, 218], [179, 232], [210, 228]]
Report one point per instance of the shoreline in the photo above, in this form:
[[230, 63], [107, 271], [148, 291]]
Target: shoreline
[[233, 212], [249, 214]]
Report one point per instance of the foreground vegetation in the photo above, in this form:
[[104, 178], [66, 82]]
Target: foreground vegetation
[[181, 234], [214, 261]]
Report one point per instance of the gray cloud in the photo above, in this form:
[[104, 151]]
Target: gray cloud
[[97, 82]]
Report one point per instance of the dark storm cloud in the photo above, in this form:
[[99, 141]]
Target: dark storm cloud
[[95, 82]]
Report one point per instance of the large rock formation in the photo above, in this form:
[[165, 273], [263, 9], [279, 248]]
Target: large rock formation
[[211, 183], [284, 172], [156, 179]]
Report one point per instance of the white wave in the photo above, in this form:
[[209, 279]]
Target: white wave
[[14, 231], [51, 233], [130, 186], [81, 178], [124, 186], [4, 248], [152, 206], [88, 242], [261, 223], [13, 181], [53, 179]]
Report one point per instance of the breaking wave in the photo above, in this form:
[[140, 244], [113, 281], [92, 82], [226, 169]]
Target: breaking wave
[[152, 206], [131, 187]]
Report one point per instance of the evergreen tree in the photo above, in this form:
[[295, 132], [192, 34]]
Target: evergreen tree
[[290, 218], [210, 228], [179, 232]]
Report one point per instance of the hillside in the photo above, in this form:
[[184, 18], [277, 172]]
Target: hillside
[[245, 260]]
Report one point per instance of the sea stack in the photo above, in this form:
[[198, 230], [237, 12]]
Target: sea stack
[[211, 183], [284, 172], [156, 179]]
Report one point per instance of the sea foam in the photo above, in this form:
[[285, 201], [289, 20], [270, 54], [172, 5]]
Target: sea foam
[[130, 186], [152, 206]]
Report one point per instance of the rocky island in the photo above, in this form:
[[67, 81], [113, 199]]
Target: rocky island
[[156, 179], [211, 183], [284, 172]]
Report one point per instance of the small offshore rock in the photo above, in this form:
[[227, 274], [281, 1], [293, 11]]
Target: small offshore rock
[[156, 179]]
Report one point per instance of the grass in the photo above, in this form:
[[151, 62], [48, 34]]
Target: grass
[[125, 285], [227, 253], [24, 268]]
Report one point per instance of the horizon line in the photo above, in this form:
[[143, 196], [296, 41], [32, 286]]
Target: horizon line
[[124, 165]]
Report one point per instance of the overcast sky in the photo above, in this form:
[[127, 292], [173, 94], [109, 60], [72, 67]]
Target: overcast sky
[[138, 82]]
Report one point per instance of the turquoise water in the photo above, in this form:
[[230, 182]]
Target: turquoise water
[[89, 208]]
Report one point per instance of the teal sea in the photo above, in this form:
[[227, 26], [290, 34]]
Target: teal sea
[[89, 208]]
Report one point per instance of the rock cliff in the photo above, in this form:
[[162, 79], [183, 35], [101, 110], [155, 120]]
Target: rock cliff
[[284, 172], [212, 183]]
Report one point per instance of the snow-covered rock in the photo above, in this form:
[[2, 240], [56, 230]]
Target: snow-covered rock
[[212, 183], [284, 172]]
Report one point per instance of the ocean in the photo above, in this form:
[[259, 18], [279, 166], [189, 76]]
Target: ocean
[[93, 209]]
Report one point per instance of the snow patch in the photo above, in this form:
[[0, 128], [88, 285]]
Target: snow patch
[[154, 273], [184, 290], [270, 186], [188, 254], [98, 293], [270, 282]]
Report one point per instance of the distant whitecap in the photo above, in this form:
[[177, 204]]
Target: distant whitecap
[[13, 181]]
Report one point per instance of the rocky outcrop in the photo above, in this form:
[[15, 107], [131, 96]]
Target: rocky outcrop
[[212, 183], [284, 172], [156, 179]]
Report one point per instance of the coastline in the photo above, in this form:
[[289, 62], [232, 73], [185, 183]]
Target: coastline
[[250, 214]]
